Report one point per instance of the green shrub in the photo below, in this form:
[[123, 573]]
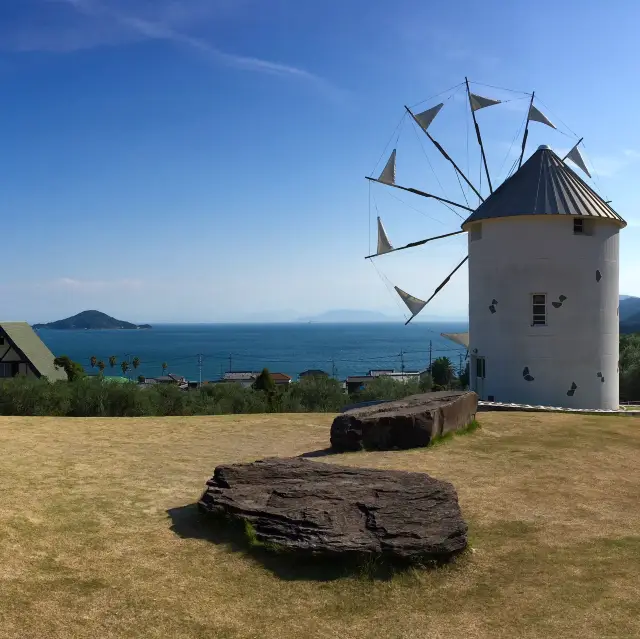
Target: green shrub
[[317, 394], [384, 387]]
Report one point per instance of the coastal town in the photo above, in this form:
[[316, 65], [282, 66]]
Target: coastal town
[[247, 379]]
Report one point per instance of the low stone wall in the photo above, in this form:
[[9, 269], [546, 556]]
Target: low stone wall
[[498, 406]]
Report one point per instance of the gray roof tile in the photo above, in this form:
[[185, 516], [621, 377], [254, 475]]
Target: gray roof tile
[[544, 185]]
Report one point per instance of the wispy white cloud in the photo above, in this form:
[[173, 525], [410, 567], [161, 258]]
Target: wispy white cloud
[[92, 286], [98, 23]]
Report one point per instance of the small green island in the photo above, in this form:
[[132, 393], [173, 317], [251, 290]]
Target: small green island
[[91, 320]]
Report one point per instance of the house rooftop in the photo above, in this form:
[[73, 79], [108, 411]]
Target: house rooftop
[[26, 340], [240, 375], [280, 378]]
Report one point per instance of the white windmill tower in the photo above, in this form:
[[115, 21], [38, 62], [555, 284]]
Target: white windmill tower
[[543, 279]]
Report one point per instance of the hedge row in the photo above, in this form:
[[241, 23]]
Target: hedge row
[[94, 397]]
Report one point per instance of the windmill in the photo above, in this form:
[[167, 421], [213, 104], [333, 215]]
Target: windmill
[[543, 272]]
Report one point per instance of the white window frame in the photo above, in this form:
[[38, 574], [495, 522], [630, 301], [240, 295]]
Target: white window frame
[[536, 317]]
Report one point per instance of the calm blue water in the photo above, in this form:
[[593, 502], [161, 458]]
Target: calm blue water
[[285, 348]]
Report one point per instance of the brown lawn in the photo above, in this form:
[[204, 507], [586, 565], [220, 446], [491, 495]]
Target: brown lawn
[[89, 549]]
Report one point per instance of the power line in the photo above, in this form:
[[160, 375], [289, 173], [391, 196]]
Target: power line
[[437, 95], [493, 86]]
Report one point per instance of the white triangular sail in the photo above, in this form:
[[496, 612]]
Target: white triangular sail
[[537, 116], [388, 175], [576, 158], [425, 118], [384, 246], [478, 102], [414, 304]]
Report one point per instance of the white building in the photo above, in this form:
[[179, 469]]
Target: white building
[[543, 290], [244, 378]]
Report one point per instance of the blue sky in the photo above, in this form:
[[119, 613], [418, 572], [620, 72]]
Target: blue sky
[[203, 160]]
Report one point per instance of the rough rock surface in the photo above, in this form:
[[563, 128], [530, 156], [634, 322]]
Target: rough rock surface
[[406, 423], [322, 508]]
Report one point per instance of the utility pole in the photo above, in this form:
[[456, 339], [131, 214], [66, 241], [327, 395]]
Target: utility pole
[[460, 367], [200, 368], [229, 362], [333, 368], [430, 354], [402, 361]]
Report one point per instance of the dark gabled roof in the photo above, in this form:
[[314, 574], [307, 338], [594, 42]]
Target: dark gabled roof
[[544, 185]]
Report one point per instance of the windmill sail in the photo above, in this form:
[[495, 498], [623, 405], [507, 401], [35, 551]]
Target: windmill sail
[[384, 246], [414, 304], [575, 156], [388, 175], [478, 102], [536, 115], [425, 118]]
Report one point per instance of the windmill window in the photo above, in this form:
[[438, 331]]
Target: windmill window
[[581, 226], [480, 367], [539, 309], [475, 232]]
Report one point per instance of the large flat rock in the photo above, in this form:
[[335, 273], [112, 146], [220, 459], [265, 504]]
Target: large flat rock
[[323, 508], [406, 423]]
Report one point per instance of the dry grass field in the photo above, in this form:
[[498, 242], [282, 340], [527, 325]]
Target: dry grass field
[[99, 537]]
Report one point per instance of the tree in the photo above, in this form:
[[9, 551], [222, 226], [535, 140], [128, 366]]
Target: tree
[[318, 393], [164, 368], [93, 361], [426, 383], [264, 382], [442, 372], [464, 377], [113, 360], [125, 367], [74, 370], [135, 362], [101, 366]]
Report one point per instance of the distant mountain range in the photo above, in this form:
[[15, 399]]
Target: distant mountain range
[[629, 314], [347, 316], [90, 320]]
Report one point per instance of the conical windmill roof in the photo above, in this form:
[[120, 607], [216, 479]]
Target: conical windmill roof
[[544, 185]]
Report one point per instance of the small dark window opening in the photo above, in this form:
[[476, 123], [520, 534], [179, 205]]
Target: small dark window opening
[[1, 340], [480, 367], [475, 232], [15, 368], [491, 398], [578, 226], [539, 308]]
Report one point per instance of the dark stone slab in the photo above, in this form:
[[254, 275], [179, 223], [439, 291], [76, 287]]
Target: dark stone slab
[[407, 423], [321, 508]]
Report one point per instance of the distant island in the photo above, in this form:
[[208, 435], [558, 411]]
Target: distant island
[[91, 320]]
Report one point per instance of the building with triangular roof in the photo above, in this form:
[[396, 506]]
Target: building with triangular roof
[[22, 352], [544, 290]]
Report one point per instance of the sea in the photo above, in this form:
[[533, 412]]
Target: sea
[[207, 351]]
